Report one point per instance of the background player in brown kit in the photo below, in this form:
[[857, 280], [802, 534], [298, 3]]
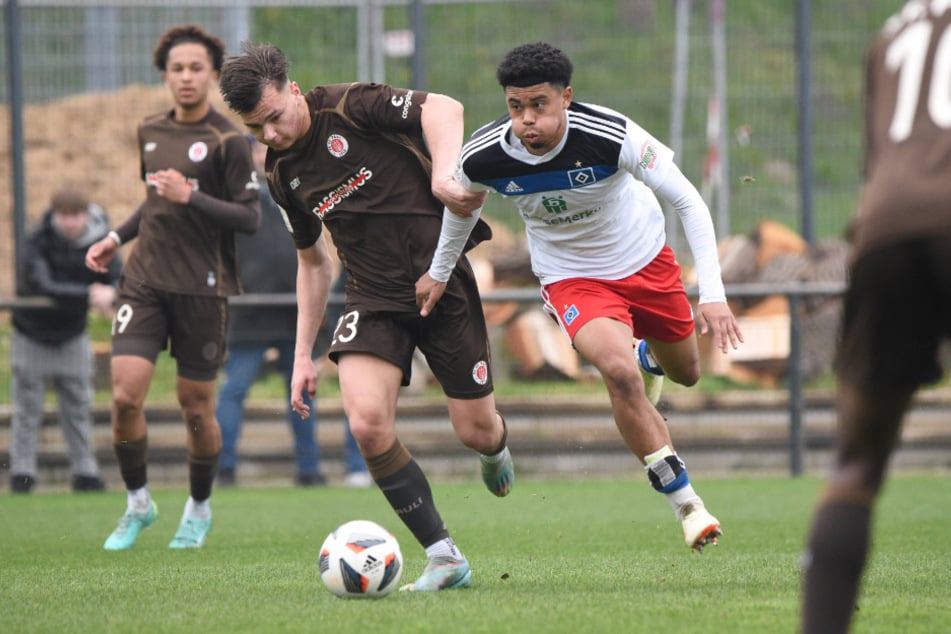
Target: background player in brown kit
[[201, 188], [900, 275], [374, 164]]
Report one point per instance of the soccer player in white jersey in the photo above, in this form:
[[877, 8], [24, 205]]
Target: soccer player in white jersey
[[585, 181]]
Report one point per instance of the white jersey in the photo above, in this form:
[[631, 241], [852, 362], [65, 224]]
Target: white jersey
[[589, 205]]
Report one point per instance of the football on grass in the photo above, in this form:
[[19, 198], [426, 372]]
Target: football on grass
[[360, 559]]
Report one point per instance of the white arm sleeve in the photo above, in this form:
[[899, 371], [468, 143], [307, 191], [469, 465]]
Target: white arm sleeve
[[698, 227], [452, 240]]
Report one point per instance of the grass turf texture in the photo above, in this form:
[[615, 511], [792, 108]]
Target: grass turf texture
[[592, 556]]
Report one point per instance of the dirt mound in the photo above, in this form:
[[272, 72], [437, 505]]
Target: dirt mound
[[89, 139]]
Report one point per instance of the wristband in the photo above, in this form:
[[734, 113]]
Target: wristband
[[115, 237]]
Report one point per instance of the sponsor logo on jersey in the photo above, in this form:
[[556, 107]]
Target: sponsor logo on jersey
[[554, 205], [198, 151], [295, 183], [567, 220], [406, 102], [150, 146], [513, 188], [342, 191], [480, 373], [337, 145], [648, 156], [570, 315], [582, 177]]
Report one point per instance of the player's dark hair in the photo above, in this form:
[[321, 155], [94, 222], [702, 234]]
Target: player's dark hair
[[531, 64], [245, 76], [188, 33]]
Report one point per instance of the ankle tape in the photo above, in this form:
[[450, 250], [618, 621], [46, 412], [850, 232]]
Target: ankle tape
[[668, 475]]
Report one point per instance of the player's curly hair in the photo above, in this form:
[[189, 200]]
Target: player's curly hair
[[188, 33], [531, 64], [245, 76]]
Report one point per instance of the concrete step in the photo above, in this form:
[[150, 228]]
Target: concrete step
[[731, 433]]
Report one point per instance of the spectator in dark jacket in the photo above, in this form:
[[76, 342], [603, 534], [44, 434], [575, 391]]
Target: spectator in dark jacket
[[268, 264], [51, 345]]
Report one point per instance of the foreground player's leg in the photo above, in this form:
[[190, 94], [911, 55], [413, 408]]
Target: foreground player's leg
[[840, 535], [668, 475], [833, 564], [406, 489]]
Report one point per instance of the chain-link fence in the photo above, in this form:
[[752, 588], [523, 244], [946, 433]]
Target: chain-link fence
[[87, 79], [624, 52]]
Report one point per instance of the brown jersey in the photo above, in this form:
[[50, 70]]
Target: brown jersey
[[363, 169], [908, 130], [179, 248]]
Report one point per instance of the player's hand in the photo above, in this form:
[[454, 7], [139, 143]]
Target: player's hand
[[172, 185], [304, 378], [457, 198], [428, 292], [718, 317], [102, 297], [100, 254]]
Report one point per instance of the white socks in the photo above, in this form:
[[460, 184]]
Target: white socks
[[444, 549], [198, 510], [138, 500]]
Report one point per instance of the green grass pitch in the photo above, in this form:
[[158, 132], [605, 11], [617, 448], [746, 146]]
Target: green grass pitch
[[573, 557]]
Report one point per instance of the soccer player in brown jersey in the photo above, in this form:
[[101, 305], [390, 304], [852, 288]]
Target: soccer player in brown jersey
[[900, 282], [201, 188], [374, 163]]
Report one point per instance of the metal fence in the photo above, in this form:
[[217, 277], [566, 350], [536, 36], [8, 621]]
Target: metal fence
[[660, 61], [721, 81]]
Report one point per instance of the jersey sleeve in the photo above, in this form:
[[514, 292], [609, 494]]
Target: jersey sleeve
[[646, 158], [238, 166], [385, 108], [652, 162]]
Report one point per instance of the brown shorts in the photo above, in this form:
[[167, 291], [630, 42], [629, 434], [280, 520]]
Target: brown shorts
[[453, 339], [193, 327], [897, 311]]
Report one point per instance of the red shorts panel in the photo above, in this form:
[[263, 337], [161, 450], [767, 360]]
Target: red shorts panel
[[653, 301]]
